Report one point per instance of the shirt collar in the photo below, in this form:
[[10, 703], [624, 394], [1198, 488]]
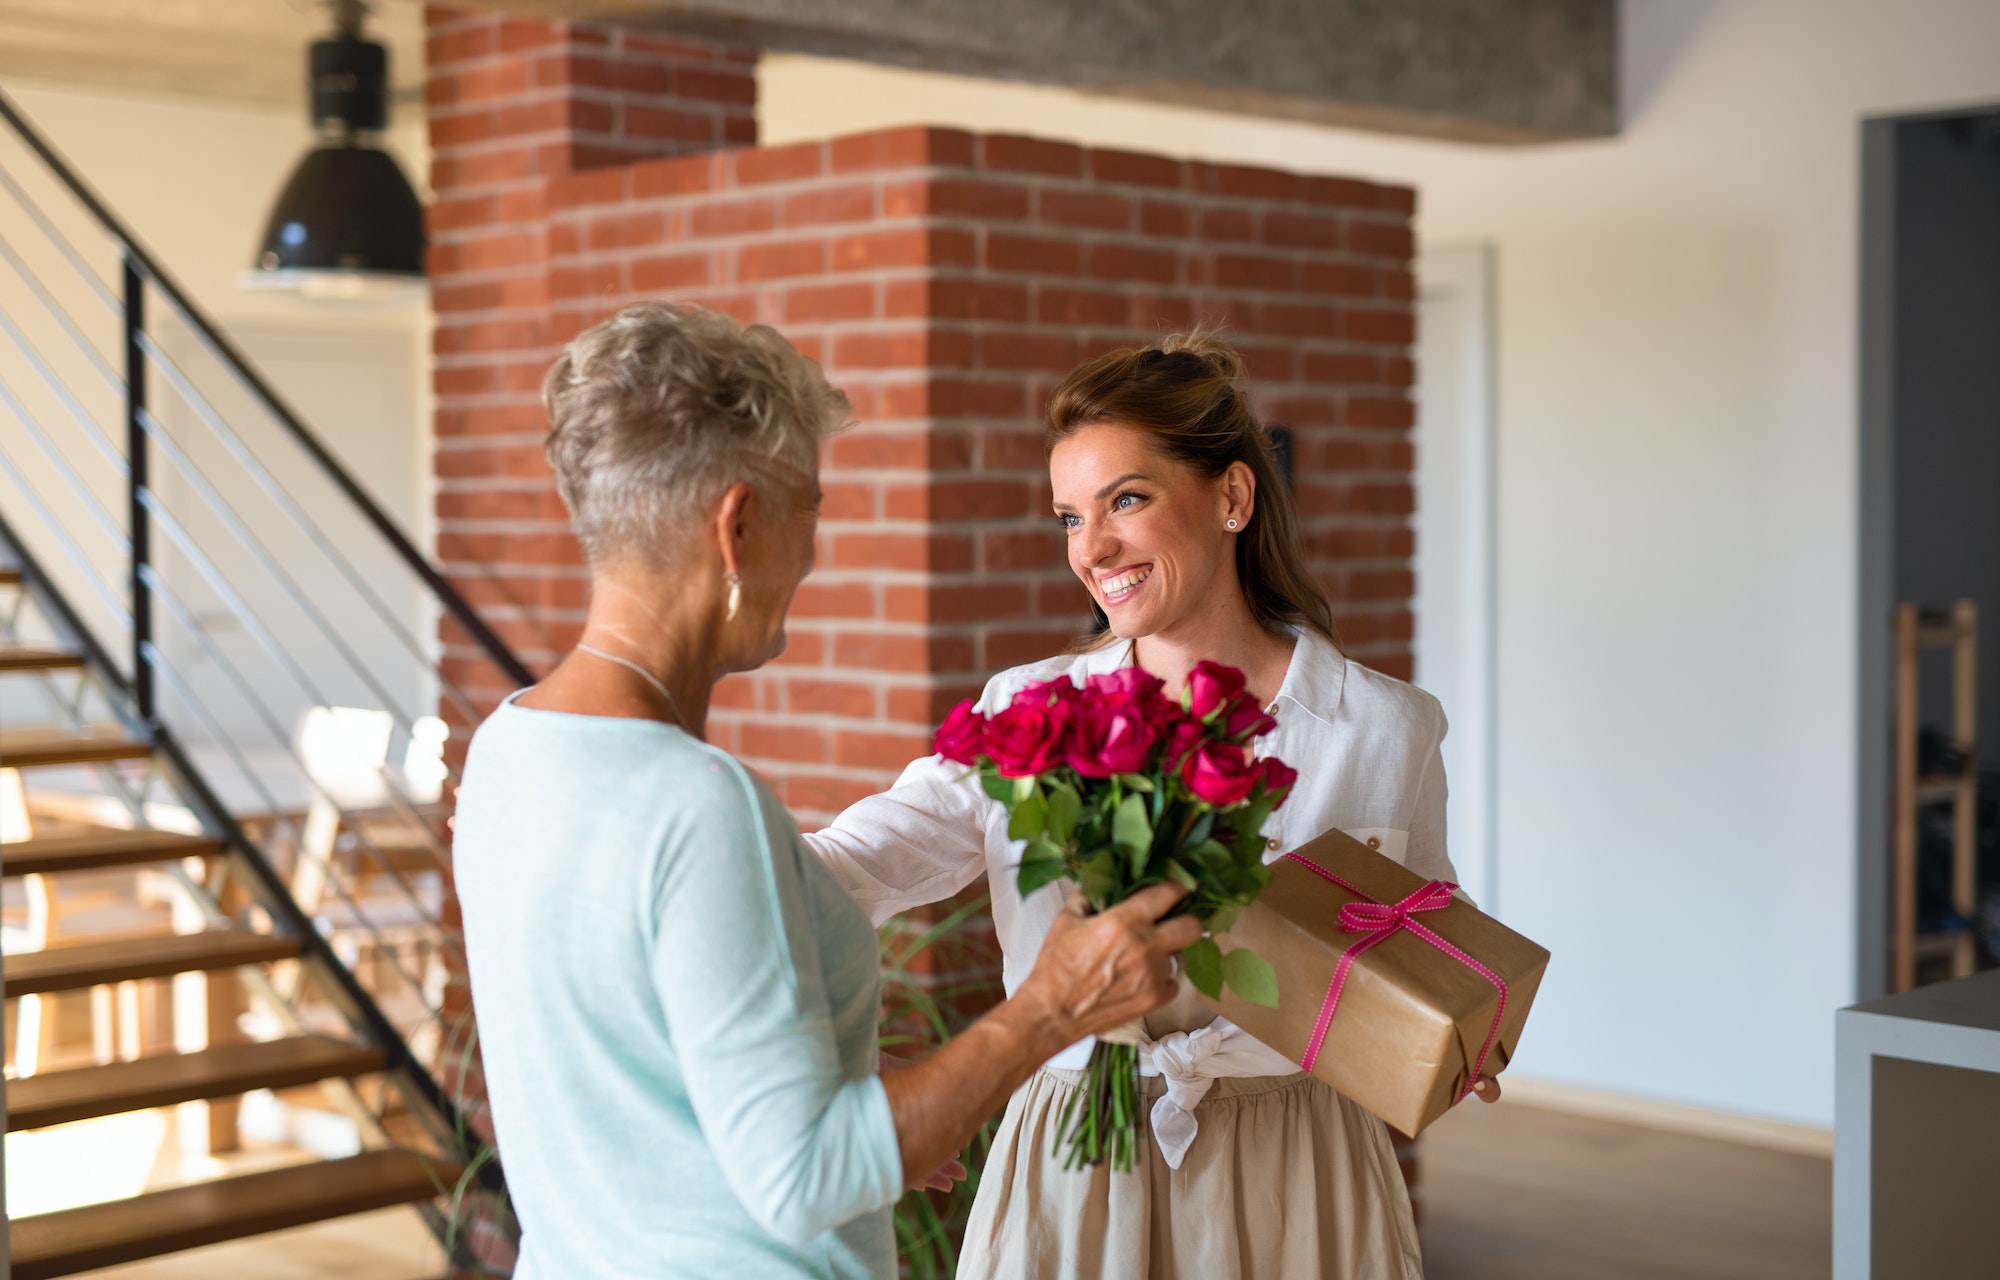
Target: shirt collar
[[1317, 675]]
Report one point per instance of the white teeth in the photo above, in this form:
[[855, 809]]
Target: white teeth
[[1124, 582]]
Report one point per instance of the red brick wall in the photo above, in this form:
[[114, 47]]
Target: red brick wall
[[946, 281], [511, 105]]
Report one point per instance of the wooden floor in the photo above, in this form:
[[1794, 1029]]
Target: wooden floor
[[1513, 1192]]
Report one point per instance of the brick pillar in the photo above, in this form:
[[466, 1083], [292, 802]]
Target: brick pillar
[[514, 104]]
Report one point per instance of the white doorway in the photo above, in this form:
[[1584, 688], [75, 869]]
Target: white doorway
[[1455, 600]]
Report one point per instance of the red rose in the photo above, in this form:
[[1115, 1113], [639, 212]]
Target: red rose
[[1277, 777], [962, 736], [1184, 737], [1141, 690], [1109, 735], [1026, 738], [1134, 683], [1246, 720], [1210, 685], [1220, 773], [1044, 692]]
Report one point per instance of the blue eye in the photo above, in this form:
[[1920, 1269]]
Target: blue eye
[[1069, 521], [1120, 502]]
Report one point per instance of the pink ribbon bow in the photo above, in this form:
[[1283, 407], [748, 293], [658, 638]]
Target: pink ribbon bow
[[1380, 921]]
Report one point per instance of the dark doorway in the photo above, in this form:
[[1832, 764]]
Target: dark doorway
[[1930, 479]]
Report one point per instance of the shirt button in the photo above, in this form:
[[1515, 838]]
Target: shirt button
[[1374, 842], [1271, 844]]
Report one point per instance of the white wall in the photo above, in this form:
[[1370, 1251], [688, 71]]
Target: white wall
[[195, 179], [1677, 559]]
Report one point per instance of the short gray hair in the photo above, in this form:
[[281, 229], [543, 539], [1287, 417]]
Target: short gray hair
[[654, 413]]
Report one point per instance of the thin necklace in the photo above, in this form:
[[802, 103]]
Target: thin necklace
[[680, 720]]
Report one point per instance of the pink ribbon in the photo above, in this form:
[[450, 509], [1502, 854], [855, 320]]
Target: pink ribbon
[[1381, 921]]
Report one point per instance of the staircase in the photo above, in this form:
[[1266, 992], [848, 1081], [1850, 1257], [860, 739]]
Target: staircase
[[205, 843]]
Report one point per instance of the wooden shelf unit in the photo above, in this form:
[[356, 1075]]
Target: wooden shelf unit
[[1917, 630]]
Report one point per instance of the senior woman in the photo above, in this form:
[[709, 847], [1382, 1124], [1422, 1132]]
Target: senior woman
[[1188, 543], [677, 1004]]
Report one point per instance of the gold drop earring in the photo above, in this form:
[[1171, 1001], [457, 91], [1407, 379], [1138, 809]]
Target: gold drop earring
[[735, 597]]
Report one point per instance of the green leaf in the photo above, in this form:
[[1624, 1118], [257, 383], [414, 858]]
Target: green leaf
[[1065, 807], [1028, 819], [1181, 876], [1100, 876], [1131, 830], [1212, 856], [1202, 963], [1023, 788], [1251, 976], [1222, 919], [1001, 789], [1136, 781], [1041, 864]]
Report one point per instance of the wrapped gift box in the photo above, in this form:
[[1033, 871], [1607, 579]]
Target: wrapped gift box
[[1420, 1000]]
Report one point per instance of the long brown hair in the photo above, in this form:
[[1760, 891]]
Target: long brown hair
[[1184, 394]]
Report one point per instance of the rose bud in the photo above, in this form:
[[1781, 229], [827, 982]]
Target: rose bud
[[1220, 773], [1135, 683], [1277, 778], [962, 736], [1183, 737], [1107, 736], [1246, 720], [1026, 739], [1044, 692], [1210, 685]]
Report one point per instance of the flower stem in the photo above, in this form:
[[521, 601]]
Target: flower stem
[[1101, 1118]]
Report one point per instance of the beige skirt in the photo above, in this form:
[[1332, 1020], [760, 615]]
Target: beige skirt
[[1286, 1180]]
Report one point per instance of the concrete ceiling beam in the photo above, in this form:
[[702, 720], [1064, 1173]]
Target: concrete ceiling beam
[[1496, 71]]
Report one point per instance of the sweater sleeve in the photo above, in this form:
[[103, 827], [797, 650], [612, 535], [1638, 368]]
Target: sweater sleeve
[[737, 968]]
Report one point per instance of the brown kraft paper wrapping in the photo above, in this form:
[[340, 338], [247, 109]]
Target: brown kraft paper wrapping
[[1411, 1019]]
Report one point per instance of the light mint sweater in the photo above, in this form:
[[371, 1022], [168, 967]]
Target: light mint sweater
[[677, 1010]]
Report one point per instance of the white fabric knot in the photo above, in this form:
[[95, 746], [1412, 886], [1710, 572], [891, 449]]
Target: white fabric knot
[[1185, 1060], [1190, 1062]]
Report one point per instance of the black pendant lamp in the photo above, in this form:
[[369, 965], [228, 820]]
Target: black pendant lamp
[[347, 224]]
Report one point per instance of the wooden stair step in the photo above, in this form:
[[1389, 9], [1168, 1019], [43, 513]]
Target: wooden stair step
[[97, 963], [145, 1226], [9, 576], [29, 748], [47, 855], [57, 1097], [16, 658]]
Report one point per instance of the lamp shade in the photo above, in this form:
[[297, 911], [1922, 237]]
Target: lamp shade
[[346, 209], [347, 224]]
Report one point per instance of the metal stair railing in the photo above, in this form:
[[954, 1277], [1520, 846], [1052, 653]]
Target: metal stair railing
[[170, 515]]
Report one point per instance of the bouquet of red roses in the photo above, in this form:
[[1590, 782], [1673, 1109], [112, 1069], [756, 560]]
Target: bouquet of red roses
[[1116, 786]]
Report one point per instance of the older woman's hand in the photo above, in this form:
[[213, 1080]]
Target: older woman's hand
[[1094, 972], [1097, 971]]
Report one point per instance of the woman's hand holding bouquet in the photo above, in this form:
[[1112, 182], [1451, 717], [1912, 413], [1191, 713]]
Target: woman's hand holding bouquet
[[1117, 787]]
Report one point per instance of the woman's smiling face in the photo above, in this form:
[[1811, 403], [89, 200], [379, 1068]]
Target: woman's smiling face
[[1147, 535]]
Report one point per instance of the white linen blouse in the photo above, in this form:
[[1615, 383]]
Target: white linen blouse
[[1367, 750]]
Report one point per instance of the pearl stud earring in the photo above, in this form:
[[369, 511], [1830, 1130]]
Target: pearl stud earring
[[1232, 524]]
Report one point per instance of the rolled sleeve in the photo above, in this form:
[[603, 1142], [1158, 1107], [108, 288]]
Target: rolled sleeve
[[921, 841]]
